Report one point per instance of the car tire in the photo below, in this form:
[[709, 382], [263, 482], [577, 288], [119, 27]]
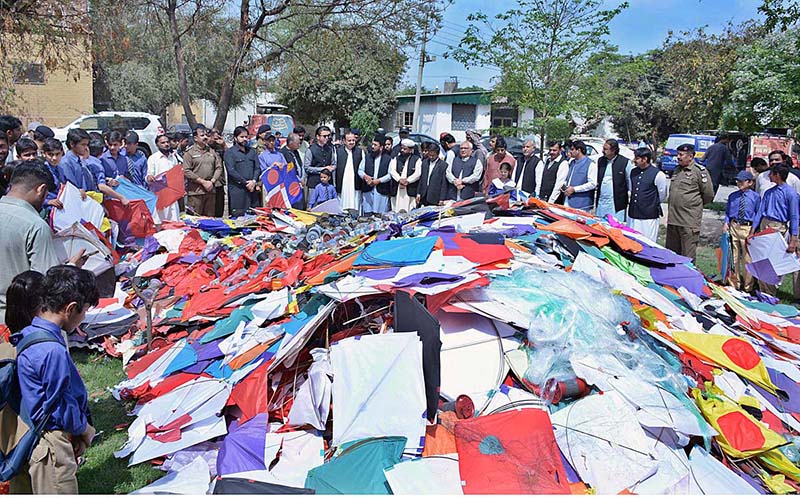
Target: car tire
[[145, 149]]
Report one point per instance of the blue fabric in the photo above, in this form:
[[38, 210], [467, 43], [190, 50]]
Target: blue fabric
[[680, 276], [751, 202], [779, 204], [397, 252], [227, 326], [243, 448], [322, 193], [359, 468], [132, 191], [113, 167], [269, 159], [185, 358], [139, 172], [578, 175], [494, 191], [49, 380]]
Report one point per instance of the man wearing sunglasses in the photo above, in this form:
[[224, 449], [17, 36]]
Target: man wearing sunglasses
[[320, 156]]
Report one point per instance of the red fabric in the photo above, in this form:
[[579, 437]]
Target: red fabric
[[741, 353], [482, 254], [252, 394], [136, 367], [741, 432], [175, 188], [436, 301], [510, 453], [773, 422], [136, 214], [170, 432], [696, 368], [192, 242]]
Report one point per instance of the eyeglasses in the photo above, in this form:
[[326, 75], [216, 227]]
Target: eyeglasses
[[326, 135]]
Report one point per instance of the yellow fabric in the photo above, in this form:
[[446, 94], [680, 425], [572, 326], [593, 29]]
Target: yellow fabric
[[709, 346], [713, 407], [98, 196], [777, 461], [304, 217], [777, 484]]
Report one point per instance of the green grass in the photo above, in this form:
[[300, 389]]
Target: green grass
[[103, 473], [716, 206]]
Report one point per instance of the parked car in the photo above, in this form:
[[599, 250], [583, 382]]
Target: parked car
[[418, 138], [180, 127], [147, 126], [597, 144], [669, 159], [513, 145]]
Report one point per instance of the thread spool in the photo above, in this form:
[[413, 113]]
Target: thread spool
[[556, 391], [463, 406]]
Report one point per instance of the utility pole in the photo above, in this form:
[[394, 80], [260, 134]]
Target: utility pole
[[422, 60]]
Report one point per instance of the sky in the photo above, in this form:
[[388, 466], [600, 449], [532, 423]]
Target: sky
[[643, 26]]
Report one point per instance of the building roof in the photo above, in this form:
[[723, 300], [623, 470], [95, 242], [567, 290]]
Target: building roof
[[452, 98]]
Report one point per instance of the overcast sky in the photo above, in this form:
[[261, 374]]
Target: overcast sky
[[641, 27]]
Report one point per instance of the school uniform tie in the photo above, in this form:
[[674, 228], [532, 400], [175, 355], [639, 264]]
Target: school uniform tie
[[131, 174], [741, 210]]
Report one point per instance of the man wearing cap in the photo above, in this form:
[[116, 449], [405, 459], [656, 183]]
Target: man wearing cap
[[717, 157], [778, 210], [375, 177], [739, 216], [202, 168], [40, 134], [464, 175], [403, 133], [32, 128], [406, 171], [321, 155], [649, 187], [689, 190], [348, 183], [261, 138]]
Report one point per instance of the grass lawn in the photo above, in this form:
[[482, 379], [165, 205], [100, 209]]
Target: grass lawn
[[103, 473]]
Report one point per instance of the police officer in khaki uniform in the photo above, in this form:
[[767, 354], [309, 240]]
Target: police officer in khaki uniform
[[202, 168], [689, 190]]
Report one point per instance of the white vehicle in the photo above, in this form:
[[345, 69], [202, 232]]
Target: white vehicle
[[596, 143], [147, 126]]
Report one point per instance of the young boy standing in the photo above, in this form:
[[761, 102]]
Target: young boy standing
[[324, 191], [503, 183], [51, 385], [779, 210], [739, 216]]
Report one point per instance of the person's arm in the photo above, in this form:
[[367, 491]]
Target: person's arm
[[314, 197], [417, 172], [561, 179], [217, 169], [230, 167], [151, 166], [476, 173], [51, 368], [448, 174], [393, 170], [110, 192], [41, 251], [728, 209], [311, 170], [662, 185], [793, 217], [707, 189], [591, 179], [759, 215], [362, 171]]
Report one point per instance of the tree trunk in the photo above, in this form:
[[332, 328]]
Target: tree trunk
[[180, 63], [242, 47]]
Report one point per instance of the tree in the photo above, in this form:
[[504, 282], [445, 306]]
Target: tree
[[366, 121], [780, 14], [695, 68], [332, 81], [541, 60], [765, 84], [269, 31], [54, 33]]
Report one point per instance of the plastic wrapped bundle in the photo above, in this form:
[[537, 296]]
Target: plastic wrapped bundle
[[572, 317]]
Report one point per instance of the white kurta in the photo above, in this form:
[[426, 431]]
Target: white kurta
[[648, 228], [158, 164], [402, 201], [350, 198]]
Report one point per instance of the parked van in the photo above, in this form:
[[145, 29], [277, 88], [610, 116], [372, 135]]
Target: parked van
[[669, 159]]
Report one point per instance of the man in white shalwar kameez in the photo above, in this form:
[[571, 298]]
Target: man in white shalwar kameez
[[159, 163], [405, 171], [348, 183]]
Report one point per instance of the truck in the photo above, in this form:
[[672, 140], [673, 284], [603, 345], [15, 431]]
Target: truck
[[762, 144]]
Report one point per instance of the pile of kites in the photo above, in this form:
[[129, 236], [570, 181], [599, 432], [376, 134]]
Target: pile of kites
[[451, 350]]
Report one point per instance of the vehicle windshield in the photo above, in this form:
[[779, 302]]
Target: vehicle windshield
[[282, 124], [674, 142]]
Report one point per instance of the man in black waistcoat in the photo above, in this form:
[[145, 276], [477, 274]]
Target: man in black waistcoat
[[432, 189], [320, 155], [376, 180], [649, 188]]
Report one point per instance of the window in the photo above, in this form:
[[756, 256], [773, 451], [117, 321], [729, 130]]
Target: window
[[462, 117], [28, 74], [404, 118]]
